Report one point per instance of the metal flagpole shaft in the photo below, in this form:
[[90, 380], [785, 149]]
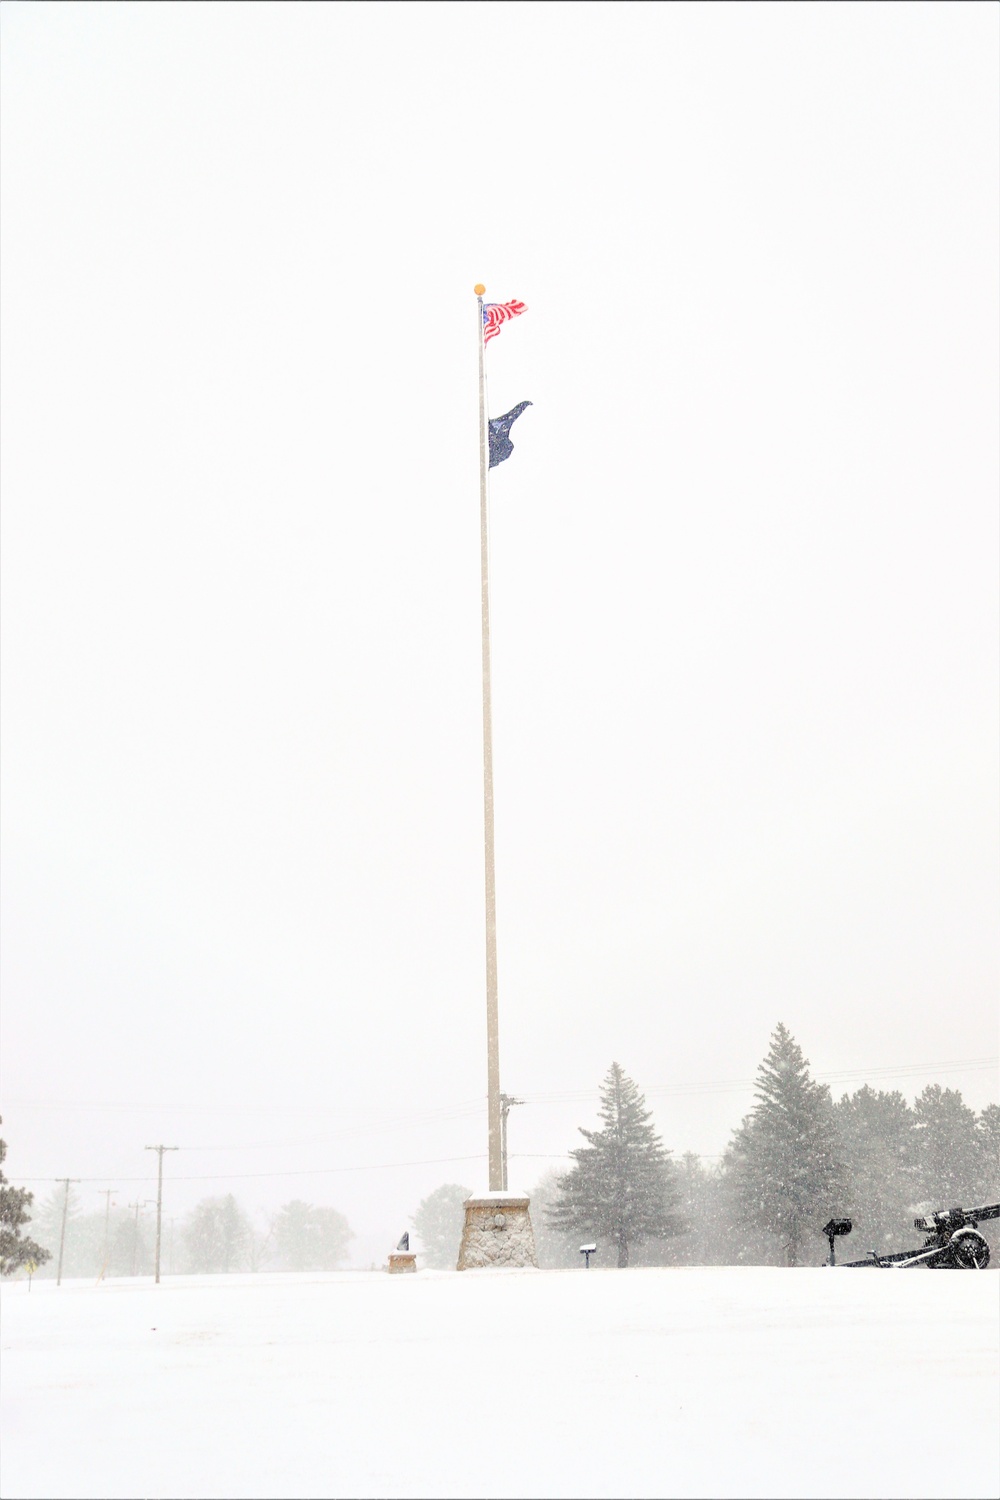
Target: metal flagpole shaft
[[492, 1012]]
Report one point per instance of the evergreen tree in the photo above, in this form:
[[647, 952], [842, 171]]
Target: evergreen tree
[[307, 1238], [877, 1143], [948, 1151], [784, 1162], [16, 1249], [439, 1221], [623, 1184]]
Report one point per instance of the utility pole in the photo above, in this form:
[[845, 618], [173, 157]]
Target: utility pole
[[107, 1224], [506, 1103], [159, 1198], [62, 1232], [143, 1203], [106, 1252]]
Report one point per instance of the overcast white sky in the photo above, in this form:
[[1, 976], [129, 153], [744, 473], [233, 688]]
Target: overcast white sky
[[744, 563]]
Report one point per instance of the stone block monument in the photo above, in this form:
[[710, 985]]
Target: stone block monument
[[497, 1232]]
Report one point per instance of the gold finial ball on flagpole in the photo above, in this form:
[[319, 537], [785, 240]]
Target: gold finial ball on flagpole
[[479, 289]]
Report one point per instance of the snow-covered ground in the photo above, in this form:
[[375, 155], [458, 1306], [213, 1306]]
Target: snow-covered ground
[[687, 1382]]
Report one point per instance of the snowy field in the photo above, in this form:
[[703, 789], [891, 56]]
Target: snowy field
[[687, 1382]]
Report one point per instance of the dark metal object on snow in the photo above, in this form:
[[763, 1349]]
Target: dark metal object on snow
[[587, 1251], [953, 1242], [833, 1230]]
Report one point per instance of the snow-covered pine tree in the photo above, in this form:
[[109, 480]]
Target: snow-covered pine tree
[[16, 1249], [623, 1184], [784, 1161]]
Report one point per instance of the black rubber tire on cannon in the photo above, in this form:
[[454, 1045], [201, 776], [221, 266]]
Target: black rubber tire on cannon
[[969, 1251]]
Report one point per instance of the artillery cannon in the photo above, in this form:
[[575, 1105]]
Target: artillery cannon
[[953, 1242]]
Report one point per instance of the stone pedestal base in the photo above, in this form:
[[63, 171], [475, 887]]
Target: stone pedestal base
[[497, 1232], [402, 1260]]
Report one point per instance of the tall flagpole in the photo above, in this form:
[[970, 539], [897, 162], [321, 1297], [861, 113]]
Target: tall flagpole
[[492, 1012]]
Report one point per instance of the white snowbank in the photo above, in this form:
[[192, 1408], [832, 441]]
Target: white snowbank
[[686, 1382]]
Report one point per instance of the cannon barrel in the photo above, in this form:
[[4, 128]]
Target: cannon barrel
[[955, 1218]]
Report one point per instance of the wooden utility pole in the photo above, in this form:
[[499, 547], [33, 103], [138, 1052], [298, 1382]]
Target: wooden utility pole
[[143, 1203], [62, 1232], [507, 1101], [107, 1226], [159, 1198]]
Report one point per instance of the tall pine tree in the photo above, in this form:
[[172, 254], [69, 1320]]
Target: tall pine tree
[[16, 1249], [784, 1161], [623, 1184]]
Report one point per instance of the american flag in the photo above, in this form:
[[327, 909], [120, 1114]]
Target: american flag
[[496, 314]]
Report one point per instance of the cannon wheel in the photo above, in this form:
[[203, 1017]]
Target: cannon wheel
[[969, 1250]]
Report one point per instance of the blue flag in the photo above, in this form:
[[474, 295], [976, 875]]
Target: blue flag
[[501, 446]]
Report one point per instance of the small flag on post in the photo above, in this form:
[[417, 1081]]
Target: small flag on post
[[496, 314], [501, 446]]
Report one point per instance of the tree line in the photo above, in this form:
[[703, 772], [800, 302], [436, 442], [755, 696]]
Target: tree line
[[218, 1235], [796, 1160]]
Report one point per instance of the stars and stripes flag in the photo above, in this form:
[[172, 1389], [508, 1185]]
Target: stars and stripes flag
[[496, 314]]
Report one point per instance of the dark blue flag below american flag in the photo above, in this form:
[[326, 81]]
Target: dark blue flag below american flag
[[501, 446]]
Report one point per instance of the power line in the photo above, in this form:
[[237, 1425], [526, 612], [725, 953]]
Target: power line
[[735, 1085], [447, 1113], [299, 1172], [437, 1161], [583, 1096], [464, 1109], [442, 1111]]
